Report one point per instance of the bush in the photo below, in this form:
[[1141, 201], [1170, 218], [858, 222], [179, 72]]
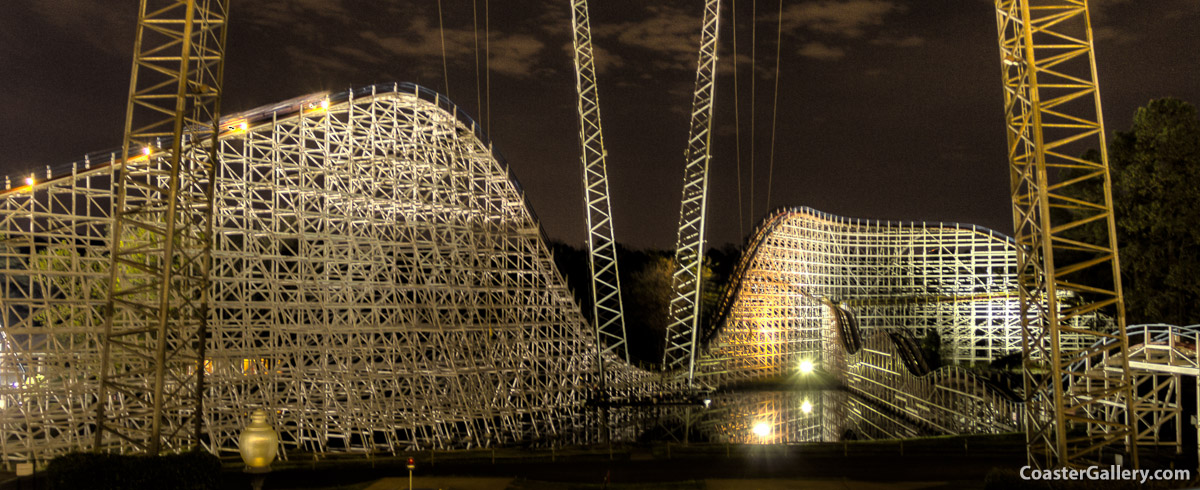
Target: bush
[[194, 470]]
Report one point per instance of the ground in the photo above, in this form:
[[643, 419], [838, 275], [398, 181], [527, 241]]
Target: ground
[[929, 463]]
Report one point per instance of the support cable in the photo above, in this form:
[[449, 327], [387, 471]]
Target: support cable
[[475, 31], [487, 63], [775, 104], [753, 78], [445, 67], [737, 126]]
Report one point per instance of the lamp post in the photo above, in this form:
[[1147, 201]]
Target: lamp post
[[411, 466], [258, 445]]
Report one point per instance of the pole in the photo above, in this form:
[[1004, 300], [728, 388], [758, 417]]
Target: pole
[[412, 465]]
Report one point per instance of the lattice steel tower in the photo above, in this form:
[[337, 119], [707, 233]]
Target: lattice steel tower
[[151, 380], [683, 323], [607, 312], [1076, 408]]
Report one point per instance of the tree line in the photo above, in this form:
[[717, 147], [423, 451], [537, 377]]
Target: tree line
[[1155, 169]]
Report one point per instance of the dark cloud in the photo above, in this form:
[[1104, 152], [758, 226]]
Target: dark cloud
[[94, 23], [605, 61], [821, 51], [844, 18], [304, 15], [305, 59], [671, 34], [900, 42]]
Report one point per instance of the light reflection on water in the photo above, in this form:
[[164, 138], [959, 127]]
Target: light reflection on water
[[776, 417]]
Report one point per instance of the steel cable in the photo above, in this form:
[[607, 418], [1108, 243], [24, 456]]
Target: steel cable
[[775, 104], [442, 35], [737, 126], [475, 31]]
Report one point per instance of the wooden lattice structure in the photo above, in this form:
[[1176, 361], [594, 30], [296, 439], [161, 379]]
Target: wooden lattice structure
[[378, 284], [853, 295]]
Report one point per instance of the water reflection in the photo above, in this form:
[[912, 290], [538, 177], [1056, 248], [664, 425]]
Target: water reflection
[[772, 417]]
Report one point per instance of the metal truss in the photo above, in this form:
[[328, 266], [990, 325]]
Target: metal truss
[[379, 284], [683, 324], [607, 312], [1052, 108], [156, 312]]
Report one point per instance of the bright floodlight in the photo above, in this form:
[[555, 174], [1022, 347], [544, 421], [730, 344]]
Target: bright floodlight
[[806, 407], [761, 429], [29, 181], [806, 366]]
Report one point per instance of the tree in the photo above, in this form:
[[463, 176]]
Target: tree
[[1156, 195], [647, 295], [1155, 169], [646, 282], [931, 348]]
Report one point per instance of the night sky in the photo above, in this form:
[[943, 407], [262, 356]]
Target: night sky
[[886, 108]]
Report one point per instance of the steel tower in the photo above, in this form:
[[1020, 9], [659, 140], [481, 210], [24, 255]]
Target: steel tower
[[607, 312], [684, 321], [152, 368], [1077, 407]]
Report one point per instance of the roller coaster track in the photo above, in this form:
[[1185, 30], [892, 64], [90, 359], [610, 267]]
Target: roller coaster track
[[292, 146], [376, 261], [758, 239], [884, 363], [470, 337]]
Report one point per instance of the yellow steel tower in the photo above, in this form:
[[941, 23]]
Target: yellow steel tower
[[1078, 412], [152, 368]]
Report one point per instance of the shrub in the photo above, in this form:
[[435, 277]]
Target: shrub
[[194, 470]]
